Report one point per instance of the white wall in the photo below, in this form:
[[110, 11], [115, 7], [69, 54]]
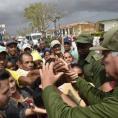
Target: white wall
[[109, 24]]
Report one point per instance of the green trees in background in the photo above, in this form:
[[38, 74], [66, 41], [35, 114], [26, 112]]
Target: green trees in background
[[41, 15]]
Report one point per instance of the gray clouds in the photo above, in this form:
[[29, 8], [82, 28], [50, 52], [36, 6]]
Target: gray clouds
[[11, 11], [88, 10], [89, 5]]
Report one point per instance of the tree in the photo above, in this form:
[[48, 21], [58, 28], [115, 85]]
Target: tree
[[41, 14], [6, 36]]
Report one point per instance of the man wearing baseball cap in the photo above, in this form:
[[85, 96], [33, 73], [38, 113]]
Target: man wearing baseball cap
[[84, 42], [12, 51], [90, 61], [56, 48], [3, 61]]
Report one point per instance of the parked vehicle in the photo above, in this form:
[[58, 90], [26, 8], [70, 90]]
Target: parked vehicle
[[33, 38]]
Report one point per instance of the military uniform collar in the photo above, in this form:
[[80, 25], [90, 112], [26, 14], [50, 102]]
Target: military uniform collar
[[93, 55], [88, 58]]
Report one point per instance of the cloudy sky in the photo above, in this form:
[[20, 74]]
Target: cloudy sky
[[11, 11]]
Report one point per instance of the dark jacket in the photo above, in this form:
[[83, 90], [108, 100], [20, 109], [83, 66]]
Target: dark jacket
[[12, 110]]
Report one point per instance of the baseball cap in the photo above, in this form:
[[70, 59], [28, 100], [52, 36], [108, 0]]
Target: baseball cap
[[54, 42], [26, 46], [85, 38], [10, 42], [67, 40], [2, 49], [110, 41]]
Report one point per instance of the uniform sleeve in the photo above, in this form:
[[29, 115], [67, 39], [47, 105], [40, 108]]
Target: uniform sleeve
[[56, 108], [90, 93]]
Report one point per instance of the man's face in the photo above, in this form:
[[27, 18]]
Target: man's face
[[12, 85], [12, 49], [42, 45], [83, 49], [3, 61], [4, 93], [57, 49], [110, 66], [67, 47], [27, 63]]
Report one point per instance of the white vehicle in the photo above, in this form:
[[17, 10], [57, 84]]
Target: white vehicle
[[33, 38], [20, 40]]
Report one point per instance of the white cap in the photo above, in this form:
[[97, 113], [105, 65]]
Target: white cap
[[54, 42], [26, 46]]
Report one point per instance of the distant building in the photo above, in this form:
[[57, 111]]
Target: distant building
[[2, 31], [108, 24], [77, 28], [2, 28]]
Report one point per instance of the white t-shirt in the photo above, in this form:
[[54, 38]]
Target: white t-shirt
[[22, 72]]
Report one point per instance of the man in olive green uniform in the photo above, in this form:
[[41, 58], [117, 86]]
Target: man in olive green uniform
[[102, 105], [90, 61]]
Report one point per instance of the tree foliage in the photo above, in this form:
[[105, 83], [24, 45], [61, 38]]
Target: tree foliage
[[41, 14]]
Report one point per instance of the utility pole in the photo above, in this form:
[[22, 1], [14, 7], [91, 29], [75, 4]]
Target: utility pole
[[55, 20], [55, 25]]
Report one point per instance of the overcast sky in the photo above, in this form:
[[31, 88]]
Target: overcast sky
[[11, 11]]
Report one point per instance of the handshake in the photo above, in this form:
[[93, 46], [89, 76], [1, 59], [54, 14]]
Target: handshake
[[52, 71]]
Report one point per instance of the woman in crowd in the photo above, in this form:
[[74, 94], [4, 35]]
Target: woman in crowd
[[24, 99]]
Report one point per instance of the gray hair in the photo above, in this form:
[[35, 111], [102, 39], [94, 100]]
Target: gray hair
[[114, 54]]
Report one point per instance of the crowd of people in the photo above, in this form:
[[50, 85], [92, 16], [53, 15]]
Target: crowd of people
[[69, 79]]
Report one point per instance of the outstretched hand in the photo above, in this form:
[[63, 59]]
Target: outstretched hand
[[61, 66], [36, 109], [48, 77]]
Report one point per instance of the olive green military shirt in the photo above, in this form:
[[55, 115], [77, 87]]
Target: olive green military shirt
[[103, 105], [94, 70]]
